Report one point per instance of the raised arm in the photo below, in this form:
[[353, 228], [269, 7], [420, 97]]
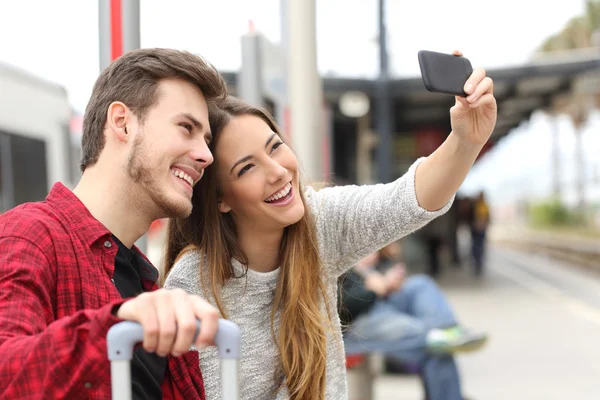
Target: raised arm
[[473, 119]]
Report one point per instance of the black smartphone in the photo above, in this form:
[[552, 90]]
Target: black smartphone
[[444, 73]]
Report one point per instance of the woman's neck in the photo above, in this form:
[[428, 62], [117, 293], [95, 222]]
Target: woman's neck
[[260, 247]]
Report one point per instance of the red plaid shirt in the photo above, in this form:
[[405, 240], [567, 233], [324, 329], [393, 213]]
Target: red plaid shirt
[[56, 298]]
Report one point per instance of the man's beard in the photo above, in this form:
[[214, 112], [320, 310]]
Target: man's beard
[[139, 169]]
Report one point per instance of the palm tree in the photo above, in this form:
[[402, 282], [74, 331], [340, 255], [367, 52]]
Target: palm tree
[[593, 16], [579, 33]]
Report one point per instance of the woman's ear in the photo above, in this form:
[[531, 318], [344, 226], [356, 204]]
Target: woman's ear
[[224, 207]]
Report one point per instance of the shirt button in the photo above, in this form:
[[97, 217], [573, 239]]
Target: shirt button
[[108, 244], [112, 280], [88, 385]]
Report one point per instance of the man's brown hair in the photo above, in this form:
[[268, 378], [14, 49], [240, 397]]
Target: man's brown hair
[[133, 79]]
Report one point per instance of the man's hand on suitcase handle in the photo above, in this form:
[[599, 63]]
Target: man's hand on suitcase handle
[[168, 318]]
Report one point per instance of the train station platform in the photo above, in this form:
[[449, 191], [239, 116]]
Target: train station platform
[[543, 317]]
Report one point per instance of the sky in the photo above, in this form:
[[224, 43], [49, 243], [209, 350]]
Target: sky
[[58, 40]]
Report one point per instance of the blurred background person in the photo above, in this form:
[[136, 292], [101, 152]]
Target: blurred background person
[[408, 319], [480, 221]]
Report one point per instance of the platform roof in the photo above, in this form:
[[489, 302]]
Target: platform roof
[[519, 90]]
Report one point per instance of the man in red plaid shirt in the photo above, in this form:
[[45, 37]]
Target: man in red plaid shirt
[[69, 269]]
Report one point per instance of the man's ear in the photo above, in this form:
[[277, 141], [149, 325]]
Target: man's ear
[[224, 207], [117, 117]]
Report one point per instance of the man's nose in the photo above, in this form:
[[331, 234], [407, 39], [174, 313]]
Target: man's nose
[[202, 155]]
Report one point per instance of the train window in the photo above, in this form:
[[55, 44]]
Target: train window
[[4, 170], [23, 170], [29, 169]]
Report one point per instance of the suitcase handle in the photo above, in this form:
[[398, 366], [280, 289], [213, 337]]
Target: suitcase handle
[[123, 336]]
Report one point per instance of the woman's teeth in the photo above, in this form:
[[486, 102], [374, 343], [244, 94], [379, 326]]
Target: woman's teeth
[[183, 175], [282, 193]]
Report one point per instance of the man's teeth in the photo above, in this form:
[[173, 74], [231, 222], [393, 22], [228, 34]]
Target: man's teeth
[[284, 192], [183, 175]]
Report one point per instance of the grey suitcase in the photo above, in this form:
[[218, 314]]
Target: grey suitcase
[[122, 338]]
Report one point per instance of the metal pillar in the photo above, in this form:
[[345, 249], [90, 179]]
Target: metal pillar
[[556, 158], [119, 28], [304, 86], [580, 175], [384, 117], [250, 76], [283, 107]]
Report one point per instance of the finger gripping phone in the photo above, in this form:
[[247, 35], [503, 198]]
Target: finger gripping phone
[[444, 73]]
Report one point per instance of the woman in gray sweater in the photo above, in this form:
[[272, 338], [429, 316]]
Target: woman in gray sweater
[[267, 251]]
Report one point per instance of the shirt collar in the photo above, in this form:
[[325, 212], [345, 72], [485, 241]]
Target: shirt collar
[[75, 214], [79, 220]]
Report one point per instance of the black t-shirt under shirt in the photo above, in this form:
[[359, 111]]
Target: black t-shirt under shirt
[[147, 369]]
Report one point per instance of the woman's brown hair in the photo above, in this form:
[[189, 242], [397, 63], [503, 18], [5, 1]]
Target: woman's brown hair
[[300, 295]]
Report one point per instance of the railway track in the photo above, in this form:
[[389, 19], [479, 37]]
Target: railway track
[[579, 251]]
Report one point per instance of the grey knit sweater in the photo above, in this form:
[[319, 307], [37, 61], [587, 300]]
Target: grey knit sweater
[[352, 221]]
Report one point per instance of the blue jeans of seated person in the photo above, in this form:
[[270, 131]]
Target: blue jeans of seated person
[[397, 326]]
